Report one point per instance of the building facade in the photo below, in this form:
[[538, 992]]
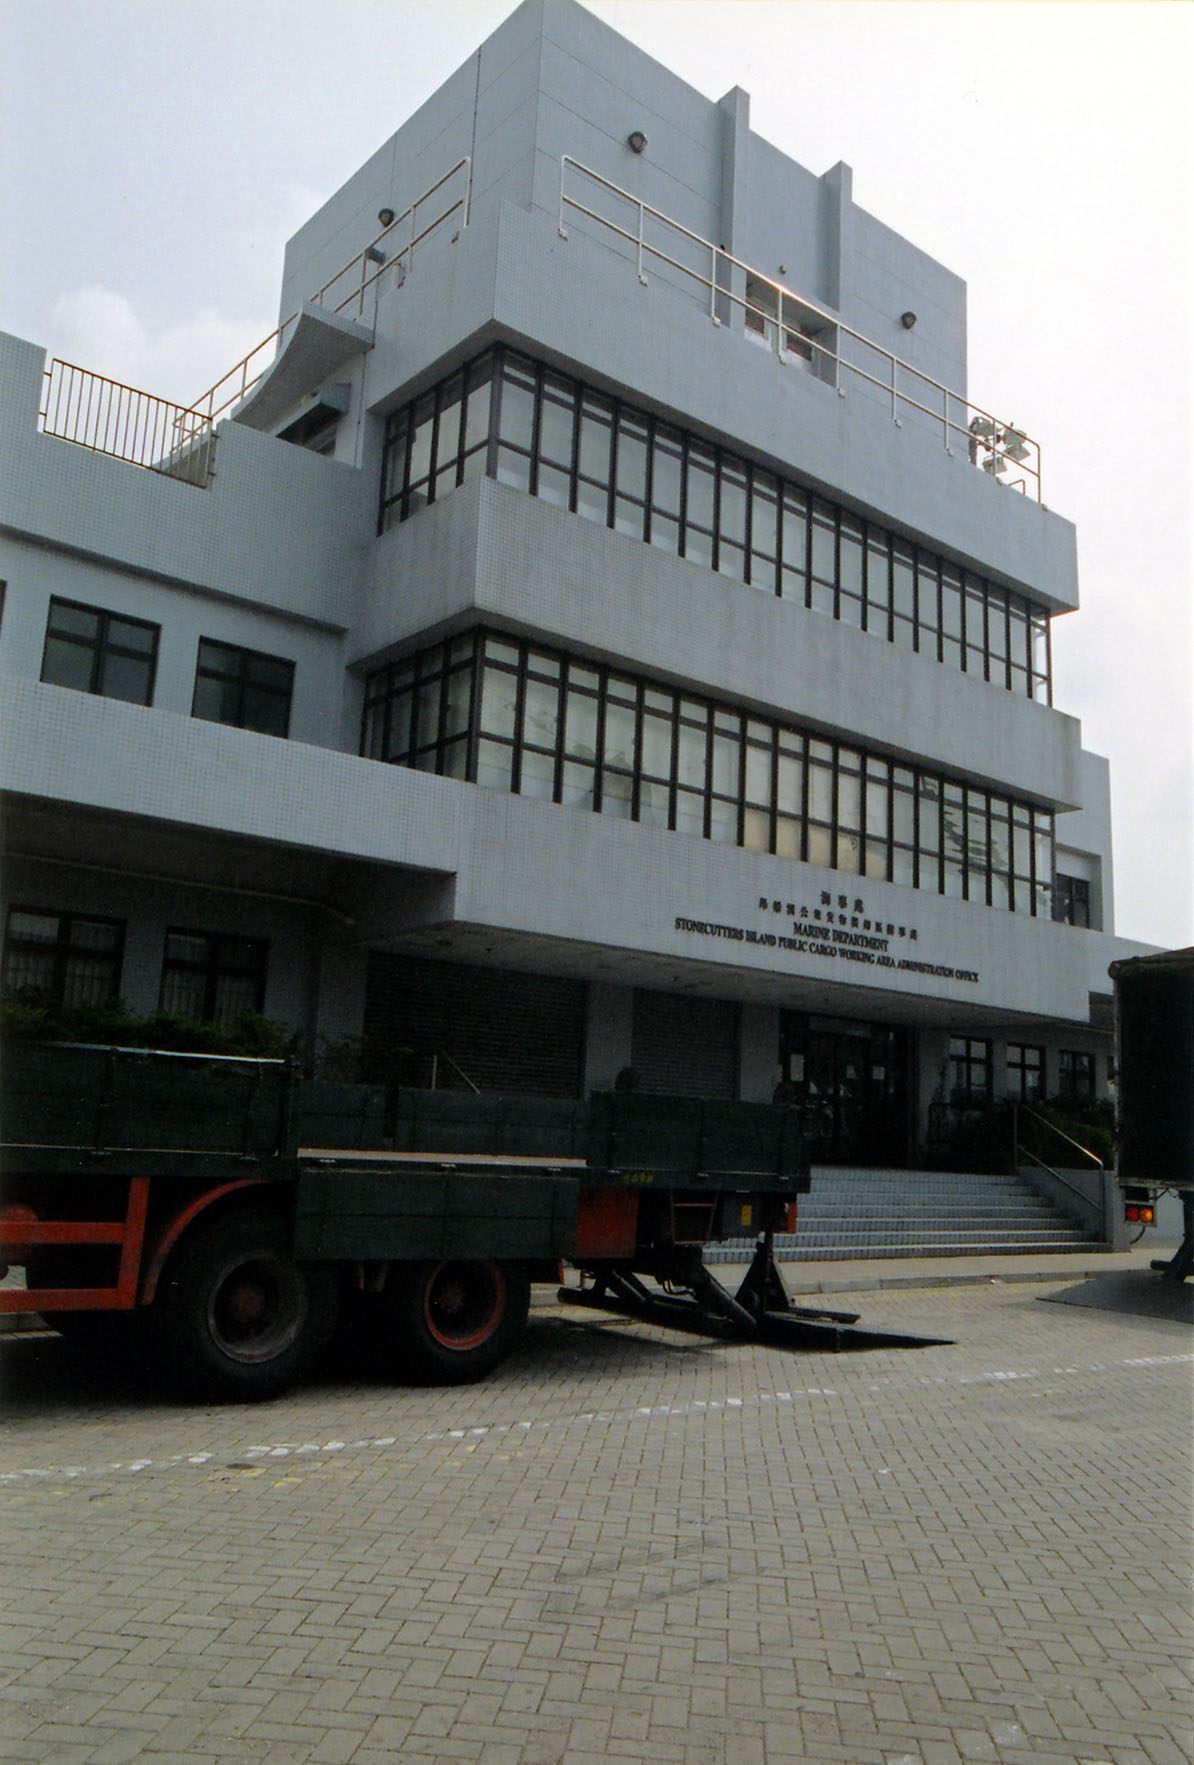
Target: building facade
[[600, 632]]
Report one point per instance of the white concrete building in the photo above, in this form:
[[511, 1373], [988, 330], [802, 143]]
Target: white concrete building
[[606, 633]]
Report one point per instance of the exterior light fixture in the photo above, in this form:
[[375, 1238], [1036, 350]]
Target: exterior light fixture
[[636, 141], [907, 320], [385, 216], [373, 255]]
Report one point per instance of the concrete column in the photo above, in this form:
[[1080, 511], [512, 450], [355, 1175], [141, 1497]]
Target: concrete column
[[758, 1053], [608, 1028], [735, 119], [837, 187]]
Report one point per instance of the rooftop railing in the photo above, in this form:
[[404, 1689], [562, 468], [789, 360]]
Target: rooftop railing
[[796, 328], [179, 440], [111, 418], [347, 291]]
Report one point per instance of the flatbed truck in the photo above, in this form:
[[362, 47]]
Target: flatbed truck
[[224, 1213]]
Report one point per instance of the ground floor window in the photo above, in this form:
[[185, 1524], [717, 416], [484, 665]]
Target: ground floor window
[[1025, 1072], [213, 977], [73, 958], [970, 1070], [1075, 1074]]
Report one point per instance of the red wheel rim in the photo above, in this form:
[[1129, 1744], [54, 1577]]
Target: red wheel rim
[[463, 1303]]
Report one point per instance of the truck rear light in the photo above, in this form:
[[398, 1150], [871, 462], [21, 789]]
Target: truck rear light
[[1140, 1213]]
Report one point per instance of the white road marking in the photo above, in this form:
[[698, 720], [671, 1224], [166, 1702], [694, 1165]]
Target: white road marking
[[247, 1457]]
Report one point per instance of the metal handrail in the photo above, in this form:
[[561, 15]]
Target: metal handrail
[[991, 443], [442, 1054], [111, 418], [358, 276], [1018, 1149], [179, 440]]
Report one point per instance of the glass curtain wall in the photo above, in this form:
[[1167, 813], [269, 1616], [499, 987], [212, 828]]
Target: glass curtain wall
[[522, 718], [551, 436]]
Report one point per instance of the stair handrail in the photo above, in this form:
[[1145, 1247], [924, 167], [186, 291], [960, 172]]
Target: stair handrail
[[439, 1054], [1018, 1149]]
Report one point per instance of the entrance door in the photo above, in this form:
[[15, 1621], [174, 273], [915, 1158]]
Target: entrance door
[[851, 1083]]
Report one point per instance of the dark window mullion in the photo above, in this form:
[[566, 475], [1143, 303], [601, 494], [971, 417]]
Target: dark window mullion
[[804, 796], [748, 520], [599, 741], [808, 549], [837, 580], [496, 376], [673, 763], [615, 425], [865, 529], [574, 463], [915, 551], [536, 432], [97, 655], [474, 719], [715, 541], [707, 794], [773, 835], [650, 425]]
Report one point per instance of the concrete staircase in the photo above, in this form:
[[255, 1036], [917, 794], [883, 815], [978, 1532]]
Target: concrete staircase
[[853, 1213]]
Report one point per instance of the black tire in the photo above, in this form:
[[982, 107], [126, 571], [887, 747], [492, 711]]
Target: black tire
[[236, 1317], [452, 1322]]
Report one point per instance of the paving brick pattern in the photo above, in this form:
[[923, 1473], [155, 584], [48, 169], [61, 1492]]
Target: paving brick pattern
[[624, 1547]]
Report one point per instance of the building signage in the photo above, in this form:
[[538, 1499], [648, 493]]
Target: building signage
[[837, 929]]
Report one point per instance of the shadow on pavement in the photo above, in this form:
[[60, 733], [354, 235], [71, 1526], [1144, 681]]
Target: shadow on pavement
[[1141, 1293]]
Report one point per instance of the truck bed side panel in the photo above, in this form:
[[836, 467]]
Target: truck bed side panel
[[366, 1214]]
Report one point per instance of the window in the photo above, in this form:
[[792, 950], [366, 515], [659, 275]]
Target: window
[[491, 710], [214, 977], [1071, 900], [73, 958], [549, 435], [242, 687], [1075, 1074], [1025, 1072], [970, 1070], [95, 651]]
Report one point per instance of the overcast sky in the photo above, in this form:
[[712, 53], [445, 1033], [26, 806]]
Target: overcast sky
[[157, 154]]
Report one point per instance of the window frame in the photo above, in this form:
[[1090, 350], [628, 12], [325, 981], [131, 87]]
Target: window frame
[[1025, 1062], [445, 709], [214, 970], [970, 1058], [102, 649], [242, 684], [910, 594], [62, 950]]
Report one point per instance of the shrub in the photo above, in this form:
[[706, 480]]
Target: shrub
[[32, 1016]]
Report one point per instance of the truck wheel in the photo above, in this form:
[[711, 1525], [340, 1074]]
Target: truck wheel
[[455, 1321], [236, 1317]]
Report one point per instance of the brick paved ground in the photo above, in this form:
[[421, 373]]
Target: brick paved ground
[[624, 1547]]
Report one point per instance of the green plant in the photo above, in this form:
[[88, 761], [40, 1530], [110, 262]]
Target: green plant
[[31, 1016]]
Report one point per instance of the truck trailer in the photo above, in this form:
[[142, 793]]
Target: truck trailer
[[221, 1215], [1154, 1031]]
